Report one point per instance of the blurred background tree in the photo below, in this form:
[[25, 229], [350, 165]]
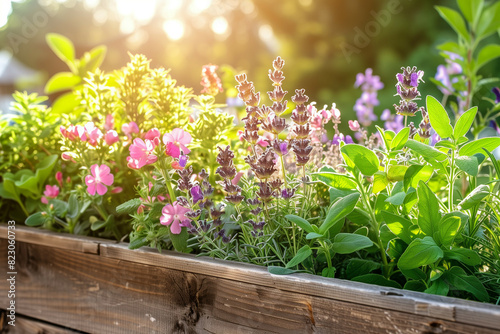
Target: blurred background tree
[[325, 42]]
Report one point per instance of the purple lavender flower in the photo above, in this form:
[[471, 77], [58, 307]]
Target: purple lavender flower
[[434, 139], [392, 122], [288, 193], [340, 137], [196, 194], [370, 84], [407, 89], [496, 91], [183, 159], [444, 73]]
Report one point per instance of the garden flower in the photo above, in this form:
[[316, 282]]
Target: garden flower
[[152, 134], [100, 178], [135, 163], [129, 128], [176, 141], [174, 215], [72, 132], [340, 137], [50, 192], [110, 123], [445, 71], [370, 84], [354, 126], [183, 159], [91, 134], [407, 89], [59, 178], [111, 137], [211, 83], [68, 156], [496, 91], [392, 122], [196, 194], [143, 151]]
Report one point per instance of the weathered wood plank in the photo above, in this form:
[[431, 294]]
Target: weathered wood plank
[[32, 326], [143, 291], [388, 298], [59, 240], [98, 294]]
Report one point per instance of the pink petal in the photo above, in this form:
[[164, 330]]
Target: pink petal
[[186, 138], [103, 170], [45, 200], [91, 189], [89, 180], [177, 134], [101, 189], [168, 138], [184, 149], [107, 179], [175, 228], [94, 169], [168, 210], [172, 150]]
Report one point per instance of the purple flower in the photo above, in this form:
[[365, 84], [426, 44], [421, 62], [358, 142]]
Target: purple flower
[[183, 159], [392, 122], [196, 194], [368, 81], [434, 139], [288, 193], [340, 137], [370, 84], [496, 91]]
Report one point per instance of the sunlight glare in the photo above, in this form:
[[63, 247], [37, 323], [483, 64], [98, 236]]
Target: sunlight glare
[[198, 6], [174, 29], [5, 9], [220, 25], [140, 10]]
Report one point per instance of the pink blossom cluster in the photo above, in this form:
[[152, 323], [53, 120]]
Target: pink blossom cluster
[[144, 151]]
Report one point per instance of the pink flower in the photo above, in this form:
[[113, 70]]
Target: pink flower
[[134, 163], [50, 192], [100, 178], [241, 134], [68, 156], [354, 126], [91, 134], [110, 123], [152, 134], [143, 151], [111, 137], [59, 178], [116, 190], [262, 141], [72, 132], [130, 128], [176, 141], [174, 215]]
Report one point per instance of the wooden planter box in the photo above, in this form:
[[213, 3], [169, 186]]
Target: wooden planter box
[[66, 284]]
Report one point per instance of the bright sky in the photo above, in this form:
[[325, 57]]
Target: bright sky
[[5, 9]]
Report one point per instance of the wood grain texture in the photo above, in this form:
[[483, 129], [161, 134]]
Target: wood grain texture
[[122, 291], [31, 326]]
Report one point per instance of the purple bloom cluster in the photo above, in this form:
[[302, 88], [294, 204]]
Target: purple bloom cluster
[[407, 88], [370, 84], [445, 72], [392, 122]]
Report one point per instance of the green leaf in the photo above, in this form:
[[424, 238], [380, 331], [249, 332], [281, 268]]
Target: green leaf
[[438, 287], [365, 160], [37, 219], [489, 21], [455, 20], [62, 81], [314, 235], [396, 172], [467, 164], [477, 146], [338, 211], [377, 279], [62, 47], [474, 197], [93, 59], [73, 206], [457, 278], [415, 286], [398, 225], [384, 137], [138, 243], [380, 182], [401, 138], [439, 117], [346, 243], [66, 104], [179, 241], [97, 225], [452, 47], [471, 9], [448, 229], [487, 54], [60, 207], [397, 199], [44, 169], [357, 267], [464, 255], [416, 173], [464, 123], [301, 222], [425, 150], [329, 272], [334, 180], [275, 270], [129, 206], [419, 253], [428, 209], [301, 255], [416, 274]]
